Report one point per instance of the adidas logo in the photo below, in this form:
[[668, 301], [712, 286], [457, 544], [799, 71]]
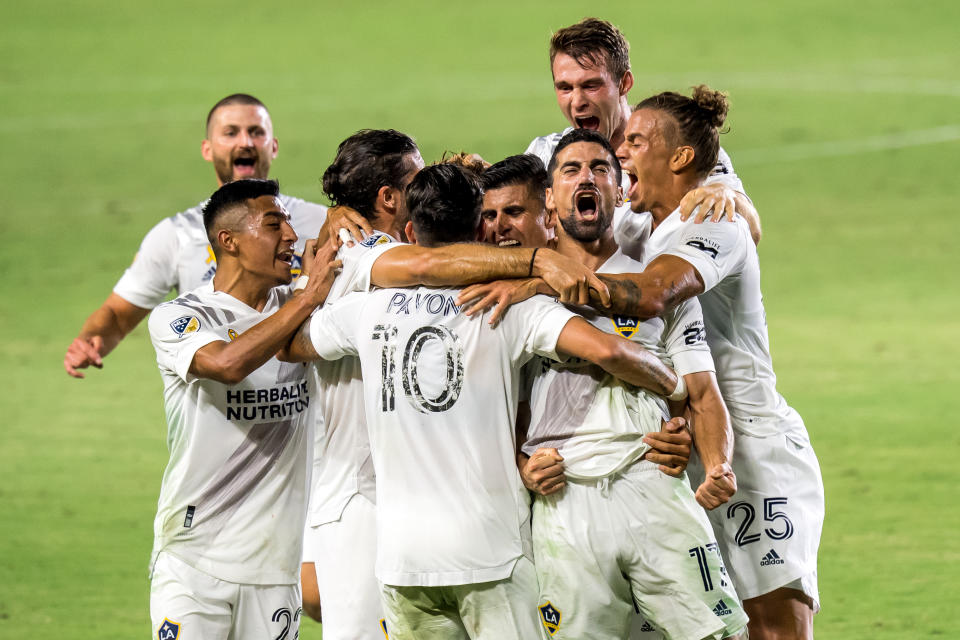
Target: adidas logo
[[647, 627], [722, 609], [771, 558]]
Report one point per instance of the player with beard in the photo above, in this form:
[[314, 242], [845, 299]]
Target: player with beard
[[175, 254], [590, 65], [597, 497], [771, 532], [453, 547]]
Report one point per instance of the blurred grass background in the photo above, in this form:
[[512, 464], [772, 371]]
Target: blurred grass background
[[844, 128]]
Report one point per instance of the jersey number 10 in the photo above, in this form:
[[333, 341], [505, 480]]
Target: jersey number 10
[[453, 354]]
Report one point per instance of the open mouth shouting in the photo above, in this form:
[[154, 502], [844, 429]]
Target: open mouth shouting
[[245, 165], [588, 122], [286, 256], [508, 242], [587, 203]]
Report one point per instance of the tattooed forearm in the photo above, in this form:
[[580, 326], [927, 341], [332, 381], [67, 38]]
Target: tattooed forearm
[[625, 295], [300, 348]]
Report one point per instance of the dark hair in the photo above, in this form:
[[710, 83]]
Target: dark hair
[[444, 201], [366, 161], [583, 135], [234, 98], [231, 195], [526, 169], [593, 41], [698, 121]]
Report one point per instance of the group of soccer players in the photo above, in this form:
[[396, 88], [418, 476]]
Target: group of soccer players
[[365, 443]]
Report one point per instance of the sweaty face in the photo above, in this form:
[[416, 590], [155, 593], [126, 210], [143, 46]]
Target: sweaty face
[[513, 216], [585, 190], [589, 97], [240, 142], [265, 240], [645, 158]]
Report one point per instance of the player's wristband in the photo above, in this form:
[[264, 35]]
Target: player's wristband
[[680, 392], [301, 283]]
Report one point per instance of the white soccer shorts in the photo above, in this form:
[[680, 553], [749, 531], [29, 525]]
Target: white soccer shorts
[[344, 553], [769, 532], [499, 610], [187, 603], [637, 537]]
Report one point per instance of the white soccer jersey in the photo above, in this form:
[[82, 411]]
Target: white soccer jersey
[[175, 254], [631, 230], [596, 421], [341, 466], [726, 258], [234, 493], [441, 398]]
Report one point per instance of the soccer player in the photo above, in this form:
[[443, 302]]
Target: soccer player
[[590, 64], [770, 533], [368, 176], [176, 254], [589, 519], [229, 524], [440, 392]]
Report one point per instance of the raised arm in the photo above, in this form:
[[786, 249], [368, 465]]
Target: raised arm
[[101, 333], [665, 283], [620, 357], [231, 362], [713, 438], [463, 264]]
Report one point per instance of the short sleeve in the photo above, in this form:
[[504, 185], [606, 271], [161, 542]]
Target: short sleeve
[[361, 273], [153, 273], [177, 333], [685, 339], [535, 326], [333, 327], [723, 172], [715, 250]]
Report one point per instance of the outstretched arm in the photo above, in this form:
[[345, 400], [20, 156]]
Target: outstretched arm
[[101, 333], [463, 264], [620, 357]]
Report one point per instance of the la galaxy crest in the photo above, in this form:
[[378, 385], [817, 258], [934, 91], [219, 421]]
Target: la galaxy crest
[[375, 239], [626, 326], [550, 616], [169, 630], [185, 324]]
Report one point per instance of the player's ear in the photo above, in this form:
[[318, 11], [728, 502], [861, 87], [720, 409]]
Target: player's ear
[[206, 150], [387, 199], [275, 147], [619, 196], [410, 233], [549, 218], [626, 83], [227, 241], [682, 158], [548, 200]]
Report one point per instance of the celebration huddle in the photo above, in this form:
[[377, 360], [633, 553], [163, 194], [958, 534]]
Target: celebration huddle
[[488, 398]]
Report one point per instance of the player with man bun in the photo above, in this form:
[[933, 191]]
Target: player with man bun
[[770, 532]]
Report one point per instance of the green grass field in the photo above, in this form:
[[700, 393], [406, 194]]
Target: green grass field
[[844, 128]]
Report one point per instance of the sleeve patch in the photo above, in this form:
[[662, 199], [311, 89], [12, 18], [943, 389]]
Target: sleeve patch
[[708, 246], [185, 324]]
